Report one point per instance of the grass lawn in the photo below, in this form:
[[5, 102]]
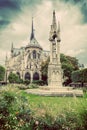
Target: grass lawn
[[55, 105]]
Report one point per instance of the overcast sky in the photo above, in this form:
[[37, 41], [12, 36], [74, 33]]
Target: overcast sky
[[16, 18]]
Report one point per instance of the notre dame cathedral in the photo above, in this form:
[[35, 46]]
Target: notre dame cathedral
[[26, 61]]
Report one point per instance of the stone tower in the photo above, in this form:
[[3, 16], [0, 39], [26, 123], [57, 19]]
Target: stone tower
[[54, 68]]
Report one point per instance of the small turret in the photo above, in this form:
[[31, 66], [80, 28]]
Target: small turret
[[12, 47], [6, 59]]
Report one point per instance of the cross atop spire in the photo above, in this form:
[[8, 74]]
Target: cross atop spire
[[32, 31]]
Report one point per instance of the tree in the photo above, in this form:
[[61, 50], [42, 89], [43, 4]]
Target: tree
[[69, 64], [73, 61], [44, 70], [80, 76], [2, 73], [67, 70], [13, 78]]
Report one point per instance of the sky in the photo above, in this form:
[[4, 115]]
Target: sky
[[16, 18]]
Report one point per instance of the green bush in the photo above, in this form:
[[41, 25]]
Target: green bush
[[13, 78], [33, 86], [7, 118], [20, 81], [38, 82], [84, 118], [14, 112], [2, 73], [64, 121], [23, 87], [27, 82]]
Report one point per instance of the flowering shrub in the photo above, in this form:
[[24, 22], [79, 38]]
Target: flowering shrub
[[14, 112]]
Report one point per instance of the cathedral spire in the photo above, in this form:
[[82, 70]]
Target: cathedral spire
[[32, 31]]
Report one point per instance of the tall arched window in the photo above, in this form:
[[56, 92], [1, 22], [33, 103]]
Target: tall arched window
[[34, 54], [27, 76], [35, 76]]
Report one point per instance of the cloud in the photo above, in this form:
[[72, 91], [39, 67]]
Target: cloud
[[82, 4], [8, 11], [3, 23], [70, 15], [74, 53]]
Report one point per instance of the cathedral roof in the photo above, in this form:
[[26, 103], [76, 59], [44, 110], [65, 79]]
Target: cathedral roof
[[17, 51], [33, 42]]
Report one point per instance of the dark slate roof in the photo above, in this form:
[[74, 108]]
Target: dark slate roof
[[33, 43]]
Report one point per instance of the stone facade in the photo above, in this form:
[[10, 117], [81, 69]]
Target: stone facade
[[54, 68], [26, 61]]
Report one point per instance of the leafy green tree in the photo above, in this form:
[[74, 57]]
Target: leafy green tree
[[69, 64], [44, 69], [2, 73], [13, 78], [73, 61], [80, 76], [67, 70]]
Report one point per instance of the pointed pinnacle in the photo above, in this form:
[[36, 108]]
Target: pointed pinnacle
[[12, 47], [32, 31]]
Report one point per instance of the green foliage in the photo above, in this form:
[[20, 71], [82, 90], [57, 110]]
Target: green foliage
[[14, 112], [79, 76], [69, 64], [39, 82], [44, 69], [73, 61], [13, 78], [84, 118], [2, 73], [23, 87], [27, 82], [33, 86], [20, 81], [64, 121]]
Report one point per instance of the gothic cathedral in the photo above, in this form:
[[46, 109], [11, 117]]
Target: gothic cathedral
[[26, 61]]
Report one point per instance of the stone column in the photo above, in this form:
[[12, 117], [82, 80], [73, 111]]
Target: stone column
[[31, 76], [58, 52]]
